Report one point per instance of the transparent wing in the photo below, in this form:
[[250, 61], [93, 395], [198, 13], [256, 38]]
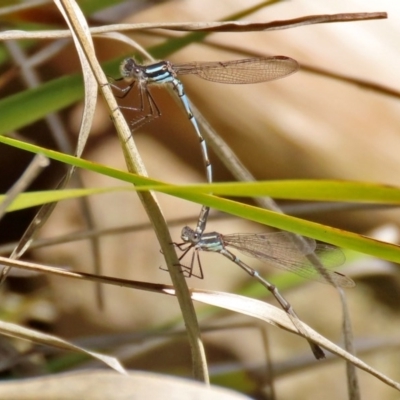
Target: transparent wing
[[250, 70], [279, 250]]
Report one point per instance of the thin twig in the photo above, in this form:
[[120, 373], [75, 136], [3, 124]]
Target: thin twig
[[221, 26]]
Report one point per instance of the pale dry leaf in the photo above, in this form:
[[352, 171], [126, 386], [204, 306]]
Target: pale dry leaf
[[89, 80], [274, 316], [104, 385], [20, 332]]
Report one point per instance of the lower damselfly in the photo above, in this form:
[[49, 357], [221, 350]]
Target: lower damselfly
[[278, 249], [250, 70]]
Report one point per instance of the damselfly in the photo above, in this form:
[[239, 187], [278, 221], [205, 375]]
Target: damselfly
[[276, 248], [251, 70]]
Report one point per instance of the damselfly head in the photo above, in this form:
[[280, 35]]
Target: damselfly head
[[188, 235], [130, 70]]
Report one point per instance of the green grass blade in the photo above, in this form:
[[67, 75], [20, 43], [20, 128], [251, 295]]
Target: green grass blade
[[317, 231], [33, 199], [312, 190]]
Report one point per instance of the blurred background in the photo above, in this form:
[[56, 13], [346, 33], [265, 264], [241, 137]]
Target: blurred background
[[306, 126]]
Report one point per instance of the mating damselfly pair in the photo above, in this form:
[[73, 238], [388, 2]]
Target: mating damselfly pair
[[279, 249]]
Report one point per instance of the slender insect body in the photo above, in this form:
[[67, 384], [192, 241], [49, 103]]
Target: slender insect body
[[158, 74], [277, 248], [252, 70]]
